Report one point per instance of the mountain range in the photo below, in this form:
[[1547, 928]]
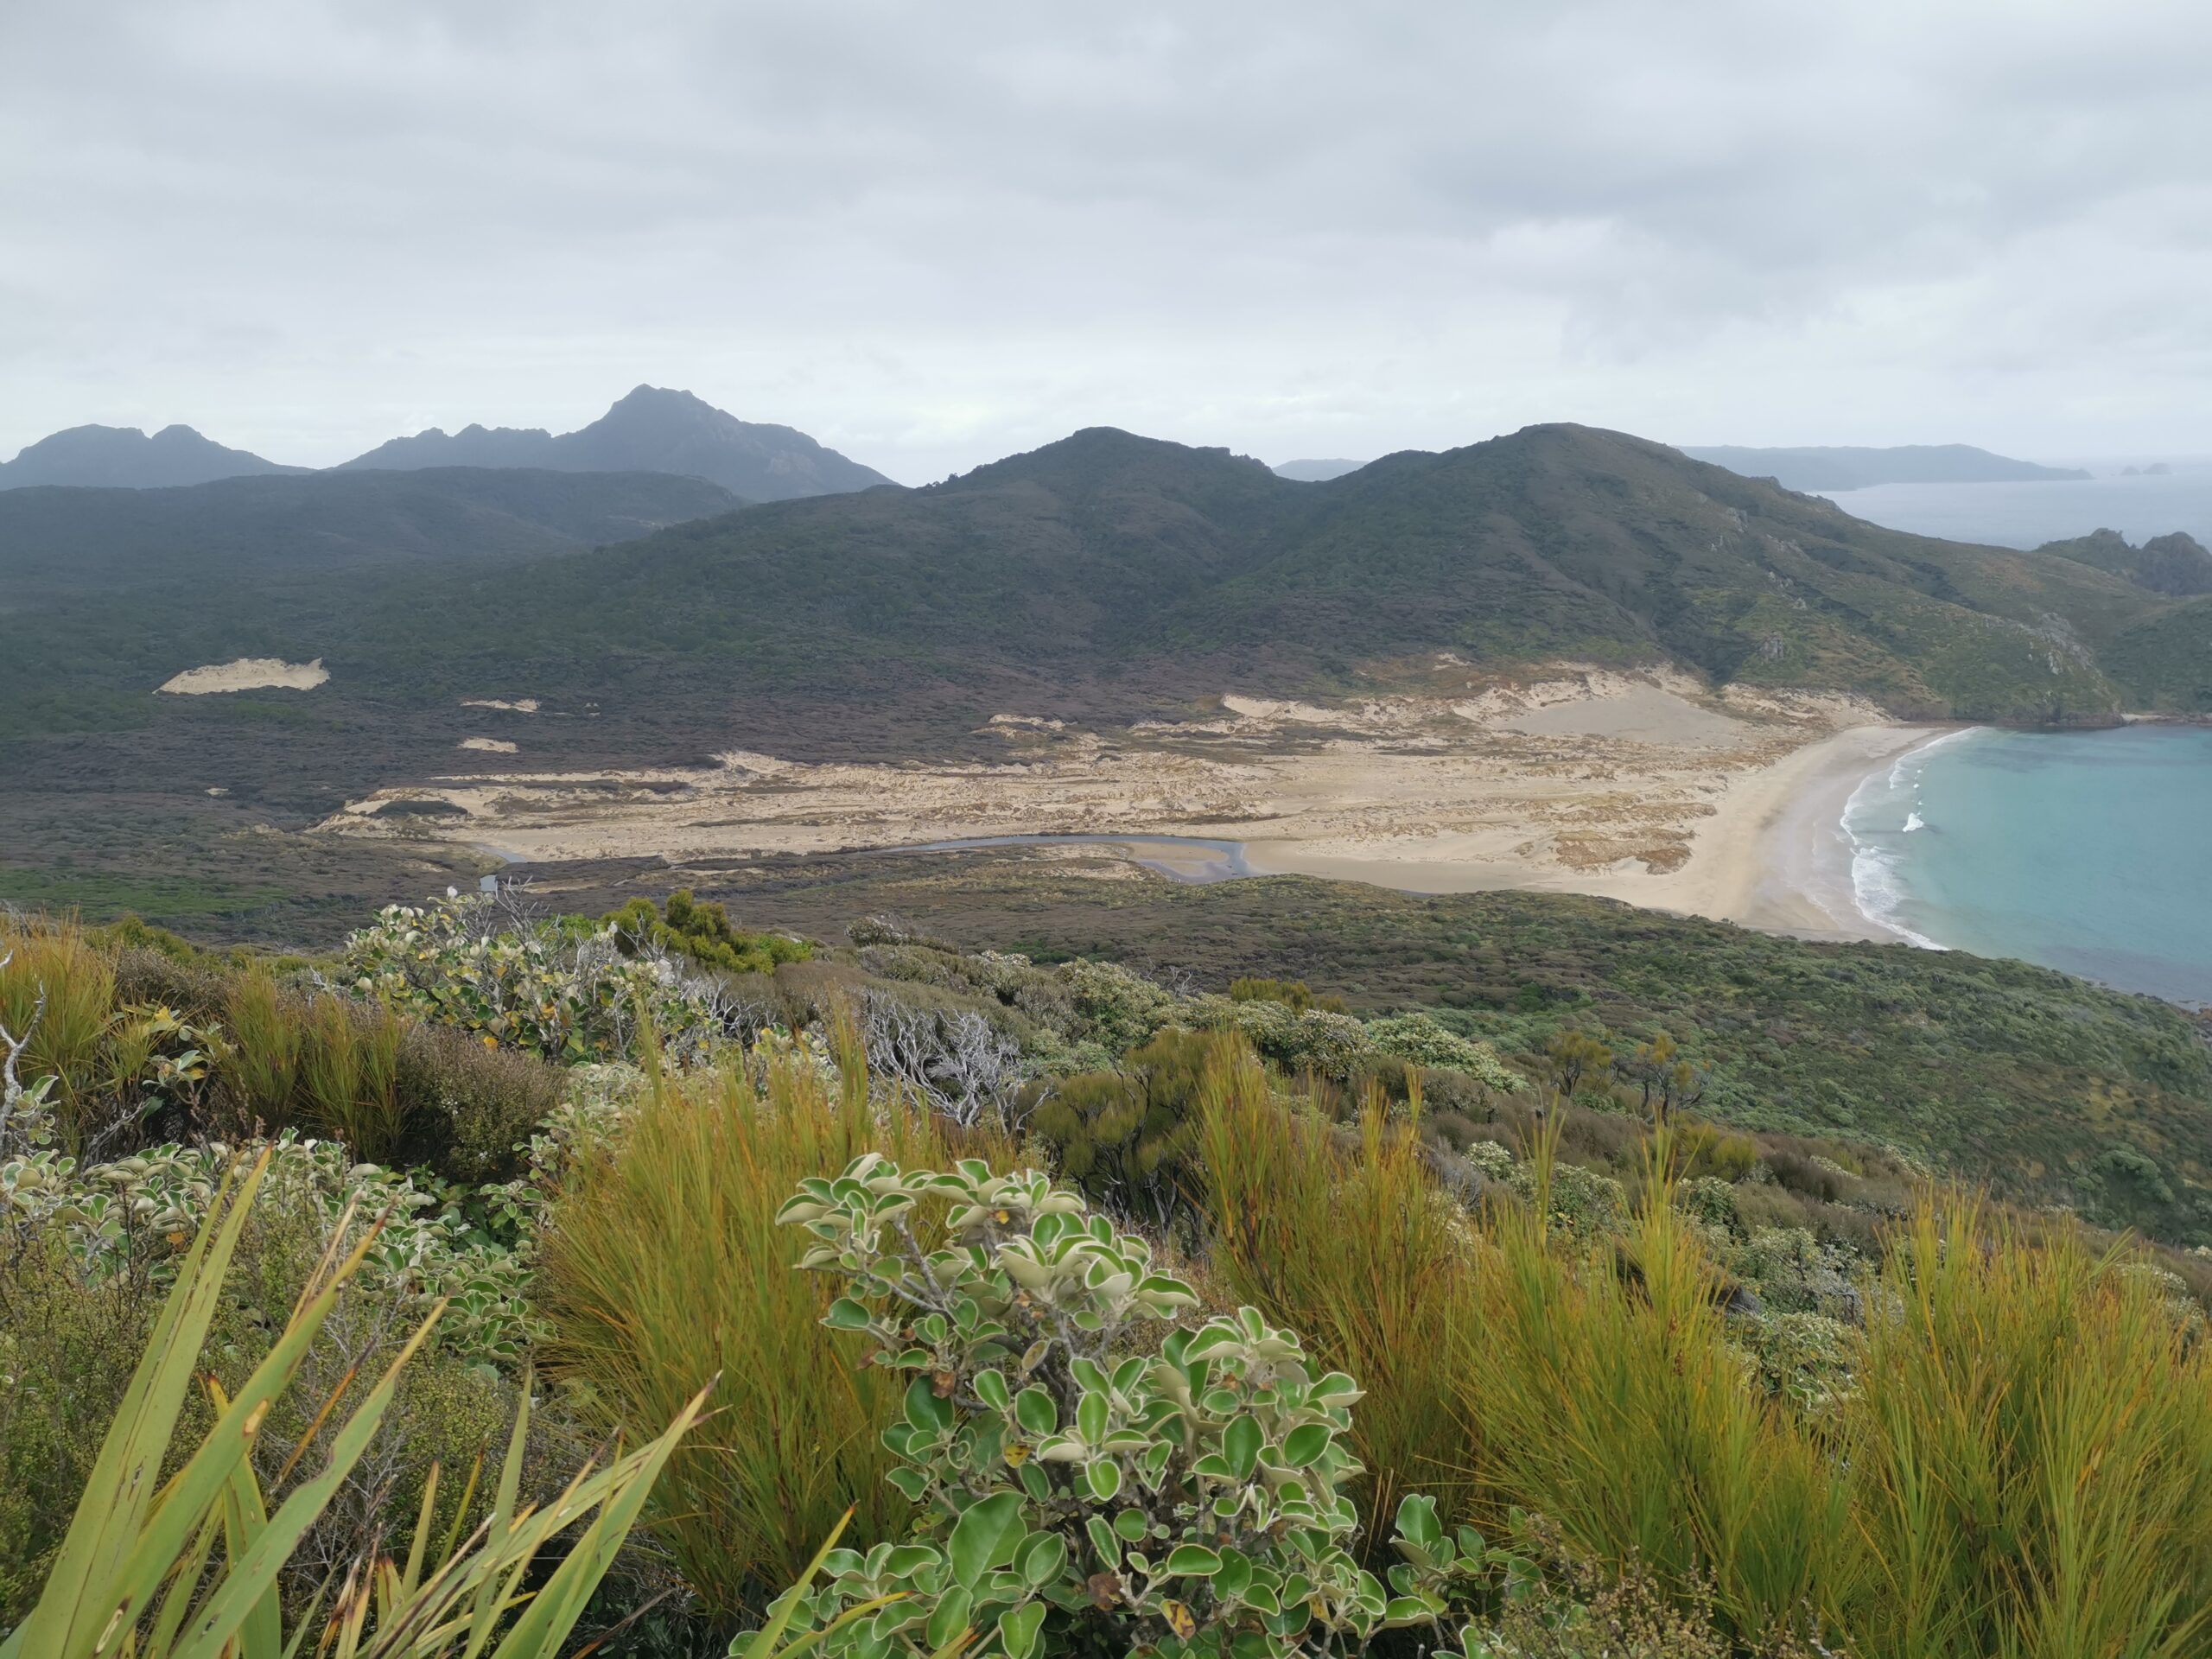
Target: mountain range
[[123, 457], [1105, 575], [1821, 468], [650, 430]]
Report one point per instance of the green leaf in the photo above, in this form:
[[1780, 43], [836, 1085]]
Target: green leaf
[[1103, 1541], [1303, 1446], [846, 1314], [1235, 1576], [1104, 1477], [985, 1536], [1193, 1561], [1017, 1630], [949, 1617], [990, 1388], [1132, 1525], [1043, 1558], [1240, 1443], [1035, 1410], [925, 1410], [1091, 1417], [1417, 1521]]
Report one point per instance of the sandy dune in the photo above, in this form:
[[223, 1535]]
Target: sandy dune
[[1638, 786], [246, 674]]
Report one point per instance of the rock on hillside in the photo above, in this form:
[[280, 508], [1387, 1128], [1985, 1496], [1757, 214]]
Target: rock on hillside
[[2177, 564]]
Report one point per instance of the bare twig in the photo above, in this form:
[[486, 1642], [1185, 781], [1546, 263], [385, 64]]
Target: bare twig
[[12, 1092]]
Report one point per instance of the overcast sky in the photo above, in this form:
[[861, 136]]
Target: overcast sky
[[933, 234]]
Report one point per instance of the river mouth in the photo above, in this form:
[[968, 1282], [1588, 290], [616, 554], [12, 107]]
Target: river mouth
[[1191, 859]]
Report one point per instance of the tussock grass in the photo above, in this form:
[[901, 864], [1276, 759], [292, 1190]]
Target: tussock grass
[[664, 1266], [76, 980], [1601, 1389], [2031, 1449], [1347, 1240], [265, 1032]]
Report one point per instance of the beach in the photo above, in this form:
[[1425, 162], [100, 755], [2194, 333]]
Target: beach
[[1645, 787]]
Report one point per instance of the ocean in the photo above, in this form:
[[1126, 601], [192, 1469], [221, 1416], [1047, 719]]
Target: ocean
[[2086, 851], [2028, 515]]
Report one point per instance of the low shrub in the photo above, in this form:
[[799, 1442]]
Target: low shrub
[[1076, 1457], [1127, 1139], [702, 932], [470, 1110]]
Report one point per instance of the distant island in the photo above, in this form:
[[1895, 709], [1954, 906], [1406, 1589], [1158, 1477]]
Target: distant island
[[1316, 472], [1832, 467]]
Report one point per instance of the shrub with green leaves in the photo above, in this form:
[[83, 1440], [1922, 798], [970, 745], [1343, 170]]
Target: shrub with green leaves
[[702, 931], [1075, 1454], [561, 989], [1419, 1039]]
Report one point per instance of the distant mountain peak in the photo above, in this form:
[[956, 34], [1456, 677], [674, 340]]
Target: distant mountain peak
[[1847, 467], [124, 457], [648, 429]]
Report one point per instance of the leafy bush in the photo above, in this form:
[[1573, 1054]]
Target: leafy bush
[[563, 991], [1294, 994], [1419, 1039], [1127, 1139], [1184, 1493], [702, 932]]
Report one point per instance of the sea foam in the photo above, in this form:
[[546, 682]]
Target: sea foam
[[1876, 858]]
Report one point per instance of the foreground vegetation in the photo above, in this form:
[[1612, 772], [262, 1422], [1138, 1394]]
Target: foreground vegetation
[[1117, 1315]]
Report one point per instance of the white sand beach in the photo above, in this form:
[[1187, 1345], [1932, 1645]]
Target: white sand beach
[[1642, 787]]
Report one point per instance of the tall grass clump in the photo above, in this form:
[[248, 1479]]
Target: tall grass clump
[[58, 986], [1599, 1389], [349, 1073], [664, 1266], [1345, 1237], [266, 1035], [2030, 1445]]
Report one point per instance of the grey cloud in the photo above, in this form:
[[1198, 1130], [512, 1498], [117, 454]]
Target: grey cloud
[[929, 234]]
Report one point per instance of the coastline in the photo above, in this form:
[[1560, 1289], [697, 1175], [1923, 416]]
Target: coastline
[[1770, 855]]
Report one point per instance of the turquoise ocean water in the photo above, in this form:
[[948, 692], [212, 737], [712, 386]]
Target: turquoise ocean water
[[2086, 851]]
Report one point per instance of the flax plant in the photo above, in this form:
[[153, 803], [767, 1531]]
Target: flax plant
[[188, 1568]]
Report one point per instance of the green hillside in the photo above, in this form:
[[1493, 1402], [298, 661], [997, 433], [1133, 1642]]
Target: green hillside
[[1108, 575], [1104, 577], [2164, 661], [2176, 565]]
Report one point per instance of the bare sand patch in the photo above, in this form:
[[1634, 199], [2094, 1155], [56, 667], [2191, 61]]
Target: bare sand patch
[[245, 674], [488, 745], [1639, 787], [1641, 713]]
